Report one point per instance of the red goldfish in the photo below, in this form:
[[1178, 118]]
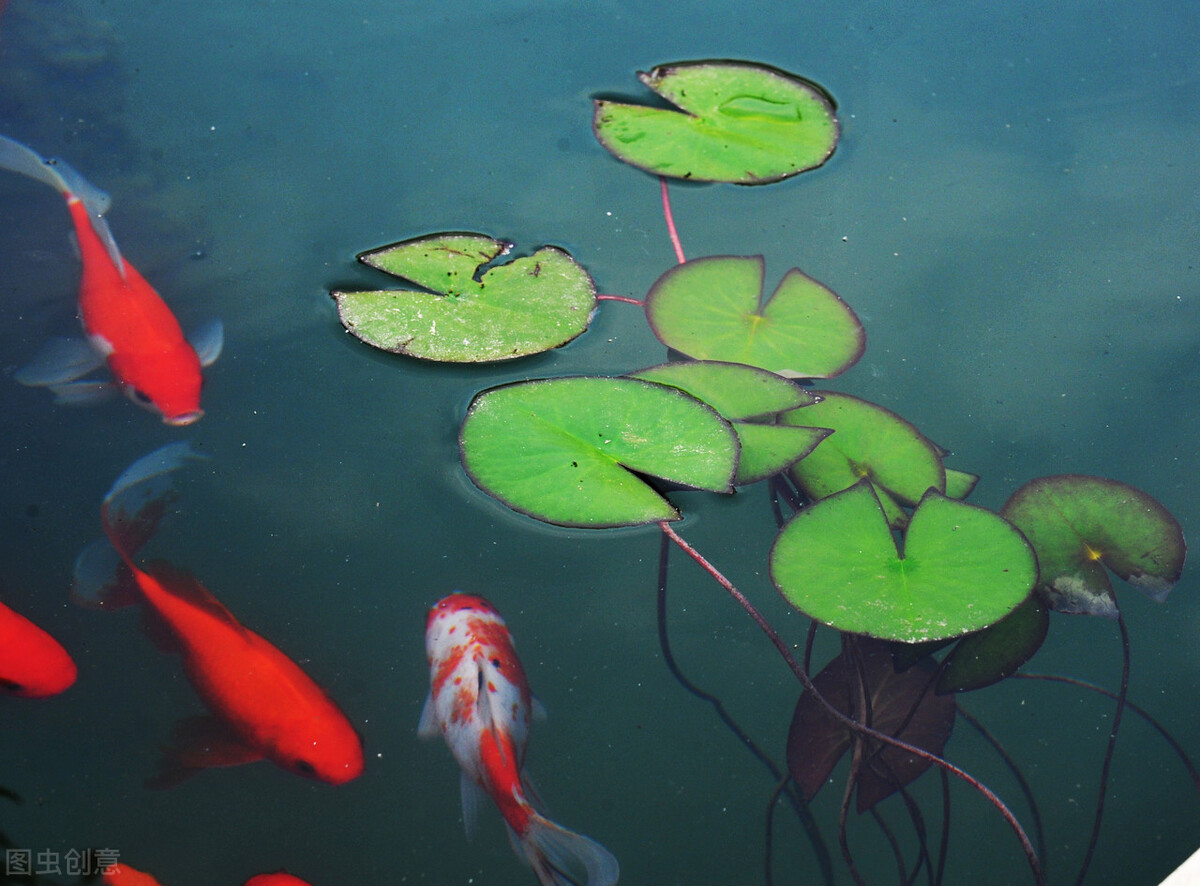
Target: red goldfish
[[123, 875], [279, 878], [32, 663], [481, 704], [126, 322], [262, 705]]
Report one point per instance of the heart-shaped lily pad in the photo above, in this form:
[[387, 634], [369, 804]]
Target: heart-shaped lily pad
[[565, 450], [737, 122], [527, 306], [750, 399], [1078, 525], [710, 309], [868, 441], [962, 568]]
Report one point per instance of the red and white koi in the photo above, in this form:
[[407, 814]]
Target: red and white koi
[[480, 704], [126, 322]]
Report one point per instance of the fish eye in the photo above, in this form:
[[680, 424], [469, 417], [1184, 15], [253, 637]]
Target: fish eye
[[305, 768]]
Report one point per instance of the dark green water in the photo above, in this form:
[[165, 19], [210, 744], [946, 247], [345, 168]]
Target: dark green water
[[1012, 211]]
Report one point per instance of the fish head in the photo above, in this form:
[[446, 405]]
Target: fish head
[[446, 624], [326, 748], [168, 383]]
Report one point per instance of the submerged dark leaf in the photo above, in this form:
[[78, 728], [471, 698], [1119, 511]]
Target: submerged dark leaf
[[901, 705]]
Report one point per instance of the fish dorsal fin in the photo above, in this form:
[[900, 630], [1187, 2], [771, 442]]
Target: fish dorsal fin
[[182, 585]]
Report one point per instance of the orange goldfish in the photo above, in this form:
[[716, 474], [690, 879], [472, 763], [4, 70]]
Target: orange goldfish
[[32, 663], [261, 704], [126, 322]]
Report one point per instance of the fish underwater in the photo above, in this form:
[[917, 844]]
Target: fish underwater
[[261, 704], [126, 322], [278, 878], [32, 663], [480, 703]]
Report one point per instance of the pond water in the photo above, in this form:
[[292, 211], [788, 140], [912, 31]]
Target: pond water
[[1012, 211]]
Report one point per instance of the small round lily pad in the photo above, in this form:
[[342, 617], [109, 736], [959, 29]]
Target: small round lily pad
[[527, 306], [737, 122], [712, 309]]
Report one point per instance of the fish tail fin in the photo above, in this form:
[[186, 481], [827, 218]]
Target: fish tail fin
[[135, 505], [561, 857], [64, 178], [16, 157]]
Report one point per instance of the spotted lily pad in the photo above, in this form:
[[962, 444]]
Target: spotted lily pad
[[736, 122], [573, 451], [527, 306], [962, 567], [750, 399], [1079, 525], [710, 309]]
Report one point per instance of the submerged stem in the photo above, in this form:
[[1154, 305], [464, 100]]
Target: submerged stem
[[856, 727], [1108, 754]]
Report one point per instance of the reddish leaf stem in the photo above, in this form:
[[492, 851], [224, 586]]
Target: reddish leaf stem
[[851, 724], [674, 234], [624, 298]]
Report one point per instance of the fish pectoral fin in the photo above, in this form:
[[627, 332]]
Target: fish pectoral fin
[[472, 798], [208, 341], [427, 727], [197, 743], [60, 360], [83, 393]]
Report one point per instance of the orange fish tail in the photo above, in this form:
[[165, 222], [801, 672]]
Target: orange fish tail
[[561, 857]]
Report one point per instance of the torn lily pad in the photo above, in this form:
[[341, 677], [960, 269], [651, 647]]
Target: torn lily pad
[[736, 121], [529, 305]]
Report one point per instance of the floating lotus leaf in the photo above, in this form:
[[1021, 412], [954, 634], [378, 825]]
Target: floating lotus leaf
[[710, 309], [900, 704], [997, 651], [526, 306], [962, 567], [749, 398], [737, 122], [868, 442], [569, 451], [1078, 525], [960, 484]]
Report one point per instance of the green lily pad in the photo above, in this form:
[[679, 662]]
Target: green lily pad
[[737, 122], [960, 484], [962, 568], [998, 650], [1078, 525], [710, 309], [565, 450], [868, 442], [526, 306], [749, 398], [737, 391]]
